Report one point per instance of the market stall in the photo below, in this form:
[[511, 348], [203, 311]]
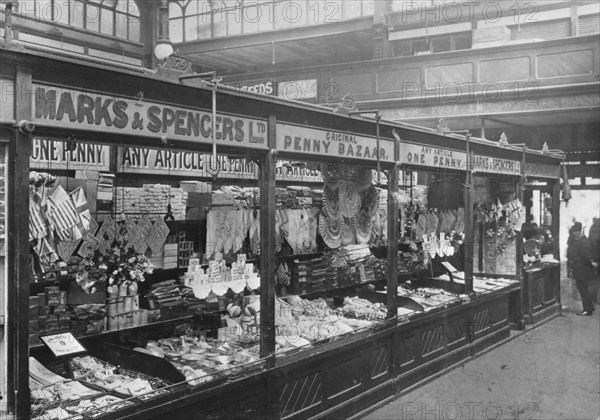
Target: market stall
[[194, 250]]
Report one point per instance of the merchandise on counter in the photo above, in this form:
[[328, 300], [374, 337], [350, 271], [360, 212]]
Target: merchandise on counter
[[358, 308], [104, 375]]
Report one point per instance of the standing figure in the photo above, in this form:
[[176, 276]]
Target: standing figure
[[580, 257]]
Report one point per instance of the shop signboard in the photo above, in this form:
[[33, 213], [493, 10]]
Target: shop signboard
[[314, 142], [542, 170], [496, 165], [192, 164], [87, 110], [441, 158], [292, 89], [429, 156], [53, 154]]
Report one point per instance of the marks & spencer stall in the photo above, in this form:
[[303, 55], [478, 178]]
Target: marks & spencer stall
[[134, 124]]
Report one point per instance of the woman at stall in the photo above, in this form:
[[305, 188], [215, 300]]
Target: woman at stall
[[582, 263]]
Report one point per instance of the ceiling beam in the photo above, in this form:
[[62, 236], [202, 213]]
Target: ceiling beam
[[285, 35]]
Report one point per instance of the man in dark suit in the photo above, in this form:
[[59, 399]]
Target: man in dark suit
[[580, 257]]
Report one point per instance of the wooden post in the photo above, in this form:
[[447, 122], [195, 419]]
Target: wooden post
[[521, 197], [469, 222], [18, 251], [267, 246], [556, 217], [393, 236]]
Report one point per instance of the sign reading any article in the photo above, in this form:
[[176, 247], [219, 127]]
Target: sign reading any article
[[63, 344]]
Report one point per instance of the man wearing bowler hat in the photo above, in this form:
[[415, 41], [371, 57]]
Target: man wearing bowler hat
[[582, 262]]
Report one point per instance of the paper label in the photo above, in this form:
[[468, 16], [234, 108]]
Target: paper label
[[63, 344]]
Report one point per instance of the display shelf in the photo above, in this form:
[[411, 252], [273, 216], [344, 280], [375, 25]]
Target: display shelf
[[137, 327], [334, 289]]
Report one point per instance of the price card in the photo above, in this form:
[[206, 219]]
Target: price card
[[63, 344]]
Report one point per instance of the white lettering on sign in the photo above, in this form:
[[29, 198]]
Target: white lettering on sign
[[292, 89], [311, 141], [260, 88], [53, 154], [68, 108], [192, 164]]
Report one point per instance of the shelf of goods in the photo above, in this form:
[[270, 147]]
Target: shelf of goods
[[221, 294]]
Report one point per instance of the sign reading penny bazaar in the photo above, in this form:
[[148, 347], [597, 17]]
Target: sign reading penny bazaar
[[436, 157], [316, 142], [71, 108]]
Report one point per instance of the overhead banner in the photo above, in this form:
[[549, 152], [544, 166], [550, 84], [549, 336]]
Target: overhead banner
[[191, 164], [418, 155], [437, 157], [54, 154], [71, 108], [317, 142]]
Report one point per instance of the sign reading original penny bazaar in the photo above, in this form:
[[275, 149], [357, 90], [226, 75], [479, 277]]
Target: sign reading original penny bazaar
[[318, 142], [436, 157], [71, 108]]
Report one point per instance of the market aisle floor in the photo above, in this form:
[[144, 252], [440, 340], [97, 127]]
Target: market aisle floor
[[549, 372]]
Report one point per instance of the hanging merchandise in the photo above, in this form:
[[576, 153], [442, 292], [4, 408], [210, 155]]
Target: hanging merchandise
[[363, 228], [37, 223], [459, 226], [254, 232], [138, 241], [61, 213], [157, 235], [331, 202], [331, 174], [348, 233], [331, 231], [81, 206], [364, 179], [370, 201], [349, 199]]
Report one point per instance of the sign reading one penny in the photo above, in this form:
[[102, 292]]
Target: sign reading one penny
[[69, 108], [53, 154], [317, 142]]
